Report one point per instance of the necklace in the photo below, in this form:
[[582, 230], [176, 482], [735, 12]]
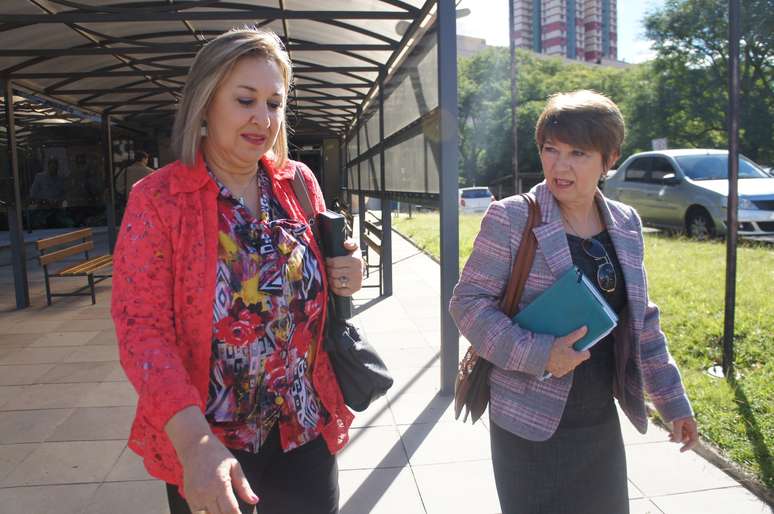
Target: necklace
[[244, 190], [577, 233]]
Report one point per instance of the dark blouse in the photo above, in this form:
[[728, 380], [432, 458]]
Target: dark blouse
[[590, 401]]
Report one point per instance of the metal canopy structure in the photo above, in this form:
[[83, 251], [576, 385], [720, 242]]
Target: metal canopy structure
[[383, 71], [129, 59]]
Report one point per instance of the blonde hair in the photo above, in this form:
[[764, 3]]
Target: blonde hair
[[210, 67], [582, 118]]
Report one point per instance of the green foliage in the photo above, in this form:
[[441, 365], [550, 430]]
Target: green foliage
[[681, 95], [686, 281]]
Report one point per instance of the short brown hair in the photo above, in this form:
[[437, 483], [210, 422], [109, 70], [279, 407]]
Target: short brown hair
[[582, 118], [210, 67]]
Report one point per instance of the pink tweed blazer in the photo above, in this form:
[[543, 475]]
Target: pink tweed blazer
[[520, 402]]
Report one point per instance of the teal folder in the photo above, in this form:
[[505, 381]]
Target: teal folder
[[570, 303]]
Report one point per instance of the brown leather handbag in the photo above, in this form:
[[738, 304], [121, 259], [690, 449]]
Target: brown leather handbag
[[471, 388]]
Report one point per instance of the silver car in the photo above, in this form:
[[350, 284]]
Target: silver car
[[687, 190]]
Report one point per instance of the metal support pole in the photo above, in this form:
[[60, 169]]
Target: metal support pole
[[110, 205], [514, 102], [386, 257], [360, 198], [449, 175], [16, 230], [733, 187]]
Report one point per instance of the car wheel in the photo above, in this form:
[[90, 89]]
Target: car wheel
[[700, 225]]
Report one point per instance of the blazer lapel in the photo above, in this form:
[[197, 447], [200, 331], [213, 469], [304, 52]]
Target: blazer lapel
[[551, 237], [629, 251]]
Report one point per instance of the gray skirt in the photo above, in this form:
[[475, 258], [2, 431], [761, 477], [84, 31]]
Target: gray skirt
[[576, 471]]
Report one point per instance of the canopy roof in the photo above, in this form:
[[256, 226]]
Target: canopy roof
[[130, 58]]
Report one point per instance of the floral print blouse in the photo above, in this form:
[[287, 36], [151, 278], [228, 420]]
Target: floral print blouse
[[267, 309]]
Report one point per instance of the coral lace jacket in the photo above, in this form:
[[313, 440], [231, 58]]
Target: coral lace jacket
[[163, 293]]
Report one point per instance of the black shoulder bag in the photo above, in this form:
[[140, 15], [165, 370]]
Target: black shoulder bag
[[360, 372]]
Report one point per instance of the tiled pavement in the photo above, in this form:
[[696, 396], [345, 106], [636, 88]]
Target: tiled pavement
[[65, 409]]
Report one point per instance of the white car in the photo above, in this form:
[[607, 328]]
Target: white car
[[475, 199], [687, 190]]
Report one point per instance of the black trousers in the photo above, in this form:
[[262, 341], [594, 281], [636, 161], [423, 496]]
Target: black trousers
[[301, 481]]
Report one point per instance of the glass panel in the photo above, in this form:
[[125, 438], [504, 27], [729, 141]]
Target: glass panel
[[414, 91], [372, 173], [412, 166]]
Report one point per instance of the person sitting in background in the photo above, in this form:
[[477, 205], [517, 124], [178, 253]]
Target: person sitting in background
[[48, 187], [136, 171]]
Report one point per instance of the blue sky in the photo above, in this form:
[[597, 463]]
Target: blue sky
[[489, 20]]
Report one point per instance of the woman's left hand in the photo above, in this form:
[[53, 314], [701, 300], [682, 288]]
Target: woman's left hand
[[345, 274], [684, 430]]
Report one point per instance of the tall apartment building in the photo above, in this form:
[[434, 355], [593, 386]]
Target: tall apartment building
[[577, 29]]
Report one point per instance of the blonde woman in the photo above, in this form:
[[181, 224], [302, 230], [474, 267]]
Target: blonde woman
[[219, 300]]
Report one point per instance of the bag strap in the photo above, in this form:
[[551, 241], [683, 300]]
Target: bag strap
[[524, 258], [302, 195]]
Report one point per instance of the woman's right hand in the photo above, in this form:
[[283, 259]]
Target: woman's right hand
[[563, 357], [211, 476]]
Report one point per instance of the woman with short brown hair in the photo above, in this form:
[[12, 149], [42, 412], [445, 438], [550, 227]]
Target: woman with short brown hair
[[555, 435]]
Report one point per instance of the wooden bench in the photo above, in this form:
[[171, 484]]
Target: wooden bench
[[72, 243], [372, 235]]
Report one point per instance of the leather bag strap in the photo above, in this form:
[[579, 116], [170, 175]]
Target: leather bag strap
[[524, 258]]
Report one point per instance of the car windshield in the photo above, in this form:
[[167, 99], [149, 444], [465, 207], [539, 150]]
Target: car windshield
[[715, 167], [481, 192]]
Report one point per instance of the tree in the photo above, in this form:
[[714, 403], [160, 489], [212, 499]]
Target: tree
[[691, 73]]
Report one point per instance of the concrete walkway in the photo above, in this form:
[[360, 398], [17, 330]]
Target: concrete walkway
[[65, 411]]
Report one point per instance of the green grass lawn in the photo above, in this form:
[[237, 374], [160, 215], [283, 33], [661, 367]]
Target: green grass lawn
[[687, 281]]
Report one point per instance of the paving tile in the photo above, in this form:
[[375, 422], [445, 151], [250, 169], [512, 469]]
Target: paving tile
[[146, 497], [109, 394], [104, 337], [458, 487], [66, 499], [379, 491], [413, 408], [94, 424], [63, 339], [408, 357], [396, 340], [48, 396], [12, 455], [644, 506], [736, 500], [116, 374], [373, 447], [659, 469], [72, 372], [128, 467], [86, 324], [65, 463], [22, 374], [32, 327], [92, 312], [634, 491], [7, 393], [377, 414], [30, 426], [424, 381], [655, 433], [101, 353], [16, 340], [445, 442], [36, 355]]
